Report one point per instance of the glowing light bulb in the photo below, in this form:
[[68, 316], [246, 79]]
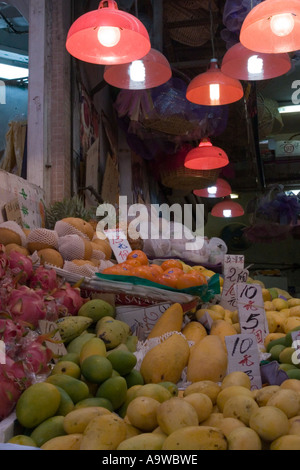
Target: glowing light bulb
[[109, 36], [282, 25], [227, 213], [212, 190], [214, 92], [255, 65], [137, 71]]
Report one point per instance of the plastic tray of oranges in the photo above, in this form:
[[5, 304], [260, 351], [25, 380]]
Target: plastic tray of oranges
[[171, 275]]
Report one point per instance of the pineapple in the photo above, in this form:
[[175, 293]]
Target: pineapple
[[72, 207]]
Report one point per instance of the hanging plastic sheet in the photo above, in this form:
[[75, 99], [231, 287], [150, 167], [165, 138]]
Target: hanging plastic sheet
[[233, 17]]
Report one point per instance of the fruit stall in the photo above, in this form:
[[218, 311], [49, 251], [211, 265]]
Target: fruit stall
[[140, 354]]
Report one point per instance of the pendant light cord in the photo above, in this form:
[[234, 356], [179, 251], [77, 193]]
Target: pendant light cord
[[212, 30]]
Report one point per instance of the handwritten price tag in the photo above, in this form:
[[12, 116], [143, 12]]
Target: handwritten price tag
[[141, 320], [119, 244], [243, 355], [233, 271], [46, 327], [251, 311]]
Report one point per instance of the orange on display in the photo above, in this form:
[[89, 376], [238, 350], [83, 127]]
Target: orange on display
[[119, 269], [144, 272], [190, 280], [156, 269], [134, 262], [174, 271], [140, 256], [171, 263], [169, 280]]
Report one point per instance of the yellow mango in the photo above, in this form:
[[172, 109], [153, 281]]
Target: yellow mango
[[240, 407], [209, 388], [244, 439], [295, 311], [194, 331], [68, 442], [141, 413], [104, 432], [291, 323], [196, 438], [212, 313], [166, 361], [207, 361], [288, 442], [144, 441], [293, 302], [221, 328], [171, 320], [230, 392], [174, 414], [76, 421], [228, 424], [269, 422], [202, 404], [218, 308], [279, 304], [236, 378], [237, 328], [271, 336]]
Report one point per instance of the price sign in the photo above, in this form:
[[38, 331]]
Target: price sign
[[119, 244], [233, 271], [141, 320], [243, 355], [252, 315], [206, 320], [57, 348]]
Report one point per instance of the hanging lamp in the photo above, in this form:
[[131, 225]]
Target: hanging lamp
[[243, 64], [214, 88], [108, 36], [206, 157], [273, 26], [227, 208], [220, 189], [150, 71]]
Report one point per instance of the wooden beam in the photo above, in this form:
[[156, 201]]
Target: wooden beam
[[37, 131]]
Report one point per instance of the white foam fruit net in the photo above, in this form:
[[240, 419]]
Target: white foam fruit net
[[71, 247], [14, 227], [63, 228], [86, 270], [44, 236]]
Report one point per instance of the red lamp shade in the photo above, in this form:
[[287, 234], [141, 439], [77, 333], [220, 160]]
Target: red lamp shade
[[243, 64], [227, 208], [273, 26], [108, 36], [206, 157], [149, 72], [220, 189], [213, 88]]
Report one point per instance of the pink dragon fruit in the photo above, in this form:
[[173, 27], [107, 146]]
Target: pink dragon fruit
[[21, 266], [13, 381], [25, 304], [69, 297], [44, 279], [36, 356], [12, 334]]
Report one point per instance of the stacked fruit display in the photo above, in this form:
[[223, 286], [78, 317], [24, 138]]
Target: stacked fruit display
[[28, 295], [205, 416]]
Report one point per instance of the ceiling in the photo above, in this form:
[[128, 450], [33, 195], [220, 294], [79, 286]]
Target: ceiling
[[189, 33]]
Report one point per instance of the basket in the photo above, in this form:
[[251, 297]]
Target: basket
[[173, 125], [175, 175], [194, 35], [195, 4], [270, 120]]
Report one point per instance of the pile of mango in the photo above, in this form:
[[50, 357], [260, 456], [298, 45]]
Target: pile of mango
[[205, 416]]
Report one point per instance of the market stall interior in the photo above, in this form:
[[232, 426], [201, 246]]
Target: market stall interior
[[161, 121], [149, 226]]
